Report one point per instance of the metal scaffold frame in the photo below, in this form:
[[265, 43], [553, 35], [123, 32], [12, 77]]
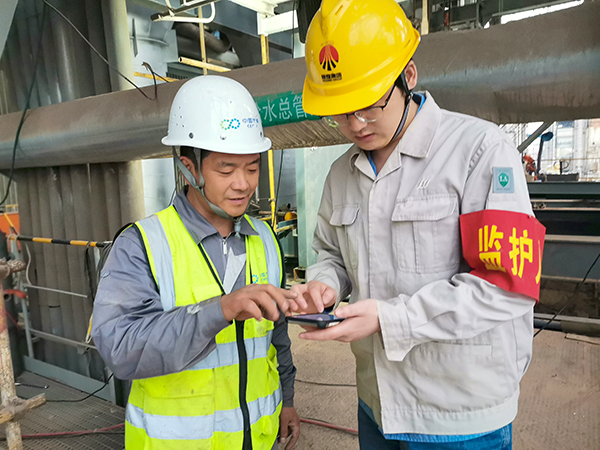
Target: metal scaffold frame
[[24, 285]]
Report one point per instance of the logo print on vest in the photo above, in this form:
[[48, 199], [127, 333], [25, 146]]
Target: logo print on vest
[[329, 57]]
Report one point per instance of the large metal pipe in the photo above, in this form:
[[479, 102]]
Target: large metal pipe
[[542, 68], [191, 31]]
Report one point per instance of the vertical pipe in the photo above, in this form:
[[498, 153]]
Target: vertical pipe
[[74, 276], [72, 54], [118, 47], [96, 36], [131, 190], [49, 270], [202, 40], [14, 56], [264, 47], [112, 207], [27, 51], [60, 272], [100, 228], [8, 98], [25, 215], [84, 217], [35, 27], [26, 220], [48, 64], [425, 19], [38, 300]]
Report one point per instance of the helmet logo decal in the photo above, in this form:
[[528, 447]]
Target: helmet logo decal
[[230, 124], [234, 124], [329, 57]]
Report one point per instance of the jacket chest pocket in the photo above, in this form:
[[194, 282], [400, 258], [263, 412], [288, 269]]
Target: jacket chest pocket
[[344, 219], [426, 234]]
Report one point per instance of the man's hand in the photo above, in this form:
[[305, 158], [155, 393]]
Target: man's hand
[[289, 422], [312, 297], [256, 301], [362, 320]]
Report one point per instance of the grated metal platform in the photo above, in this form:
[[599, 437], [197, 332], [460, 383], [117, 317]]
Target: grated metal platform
[[90, 414]]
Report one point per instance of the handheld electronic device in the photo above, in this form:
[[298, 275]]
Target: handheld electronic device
[[322, 320]]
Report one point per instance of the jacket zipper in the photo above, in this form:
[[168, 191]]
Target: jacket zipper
[[243, 365]]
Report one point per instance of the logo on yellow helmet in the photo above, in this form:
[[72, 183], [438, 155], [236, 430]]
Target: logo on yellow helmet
[[329, 58]]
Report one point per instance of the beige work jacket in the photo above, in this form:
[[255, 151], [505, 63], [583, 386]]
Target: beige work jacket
[[452, 347]]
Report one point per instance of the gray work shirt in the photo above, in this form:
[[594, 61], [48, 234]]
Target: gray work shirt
[[138, 339], [452, 346]]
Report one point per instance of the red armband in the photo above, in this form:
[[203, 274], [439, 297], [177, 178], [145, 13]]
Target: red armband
[[504, 248]]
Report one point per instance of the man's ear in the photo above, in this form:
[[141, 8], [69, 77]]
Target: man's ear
[[187, 162], [410, 72]]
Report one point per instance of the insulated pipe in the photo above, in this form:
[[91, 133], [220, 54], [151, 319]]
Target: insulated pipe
[[49, 268], [96, 36], [85, 217], [112, 208], [33, 313], [75, 264], [60, 212], [131, 187], [483, 72], [49, 306], [72, 55], [98, 204], [118, 47], [48, 59]]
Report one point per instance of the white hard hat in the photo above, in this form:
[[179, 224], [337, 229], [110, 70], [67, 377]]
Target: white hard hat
[[218, 114]]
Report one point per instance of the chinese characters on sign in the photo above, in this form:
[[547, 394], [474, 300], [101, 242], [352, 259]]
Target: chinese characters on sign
[[504, 248], [279, 109]]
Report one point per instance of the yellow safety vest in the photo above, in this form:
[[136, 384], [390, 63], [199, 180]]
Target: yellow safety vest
[[200, 408]]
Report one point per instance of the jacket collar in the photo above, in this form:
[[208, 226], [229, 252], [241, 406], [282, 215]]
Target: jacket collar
[[197, 225], [416, 141]]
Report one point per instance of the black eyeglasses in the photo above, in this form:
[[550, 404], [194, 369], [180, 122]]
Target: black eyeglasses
[[367, 115]]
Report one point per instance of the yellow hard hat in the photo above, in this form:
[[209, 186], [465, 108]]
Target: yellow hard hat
[[355, 50]]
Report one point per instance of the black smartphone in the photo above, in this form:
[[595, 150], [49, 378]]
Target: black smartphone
[[322, 320]]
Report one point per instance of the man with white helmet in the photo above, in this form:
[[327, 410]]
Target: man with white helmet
[[188, 306], [426, 222]]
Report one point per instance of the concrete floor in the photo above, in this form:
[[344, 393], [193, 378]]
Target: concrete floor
[[559, 408], [559, 404]]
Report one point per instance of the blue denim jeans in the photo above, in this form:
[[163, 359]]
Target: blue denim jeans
[[371, 438]]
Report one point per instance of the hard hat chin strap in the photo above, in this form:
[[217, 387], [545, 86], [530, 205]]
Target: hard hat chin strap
[[199, 186], [403, 85]]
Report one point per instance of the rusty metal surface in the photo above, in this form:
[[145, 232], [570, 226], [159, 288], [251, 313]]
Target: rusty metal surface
[[542, 68]]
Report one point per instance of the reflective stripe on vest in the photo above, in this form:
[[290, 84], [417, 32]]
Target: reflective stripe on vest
[[162, 266], [200, 427], [228, 353], [271, 251]]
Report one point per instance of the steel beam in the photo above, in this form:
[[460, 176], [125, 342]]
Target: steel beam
[[539, 69]]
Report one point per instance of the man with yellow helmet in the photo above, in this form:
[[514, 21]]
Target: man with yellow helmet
[[426, 223]]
